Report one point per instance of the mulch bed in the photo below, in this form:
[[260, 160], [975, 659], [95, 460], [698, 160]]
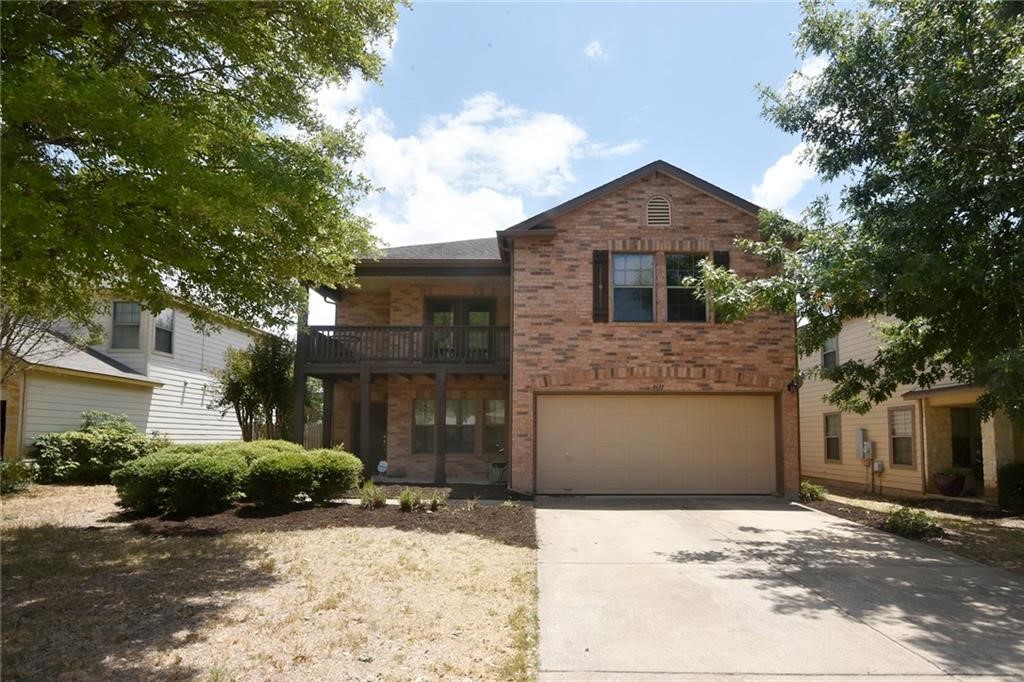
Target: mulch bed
[[455, 491], [510, 525], [849, 512]]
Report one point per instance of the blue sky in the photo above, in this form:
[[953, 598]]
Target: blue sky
[[491, 112]]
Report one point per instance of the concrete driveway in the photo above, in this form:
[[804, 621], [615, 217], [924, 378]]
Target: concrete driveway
[[704, 588]]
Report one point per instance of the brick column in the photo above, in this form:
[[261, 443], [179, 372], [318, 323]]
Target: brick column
[[997, 450]]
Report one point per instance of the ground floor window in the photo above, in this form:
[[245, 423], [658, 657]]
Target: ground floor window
[[460, 426], [423, 426], [833, 444], [494, 425], [901, 436]]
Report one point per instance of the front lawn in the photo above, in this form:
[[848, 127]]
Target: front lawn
[[330, 592]]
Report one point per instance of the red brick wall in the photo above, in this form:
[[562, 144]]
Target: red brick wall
[[557, 347], [361, 308]]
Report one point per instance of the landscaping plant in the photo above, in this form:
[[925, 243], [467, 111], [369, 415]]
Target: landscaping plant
[[812, 492], [102, 444], [372, 497], [438, 500], [410, 499], [910, 523], [180, 482], [277, 479], [16, 475]]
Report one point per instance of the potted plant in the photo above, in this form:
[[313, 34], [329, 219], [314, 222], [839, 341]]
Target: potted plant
[[950, 482]]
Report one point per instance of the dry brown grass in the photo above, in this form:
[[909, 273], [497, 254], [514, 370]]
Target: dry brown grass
[[86, 597]]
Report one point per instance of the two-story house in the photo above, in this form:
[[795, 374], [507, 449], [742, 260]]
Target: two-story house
[[157, 369], [564, 355], [915, 434]]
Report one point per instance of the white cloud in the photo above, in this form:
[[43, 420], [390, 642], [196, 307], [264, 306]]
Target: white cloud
[[336, 101], [595, 50], [603, 150], [806, 73], [784, 179]]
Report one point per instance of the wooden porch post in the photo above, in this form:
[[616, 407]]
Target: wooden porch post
[[328, 417], [364, 421], [299, 375], [440, 409]]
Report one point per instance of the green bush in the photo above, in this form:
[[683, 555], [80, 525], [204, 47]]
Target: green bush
[[438, 499], [16, 474], [179, 482], [1011, 486], [812, 492], [89, 455], [372, 497], [335, 473], [910, 523], [410, 499], [276, 479]]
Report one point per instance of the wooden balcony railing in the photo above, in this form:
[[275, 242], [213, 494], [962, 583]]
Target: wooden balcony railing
[[350, 345]]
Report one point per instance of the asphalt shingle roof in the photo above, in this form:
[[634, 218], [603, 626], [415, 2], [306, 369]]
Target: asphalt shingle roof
[[55, 351], [466, 249]]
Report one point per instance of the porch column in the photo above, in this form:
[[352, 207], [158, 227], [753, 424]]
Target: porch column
[[364, 422], [299, 375], [440, 409], [328, 417], [996, 449]]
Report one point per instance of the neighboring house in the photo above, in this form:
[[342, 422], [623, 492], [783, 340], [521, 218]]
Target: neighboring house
[[913, 435], [563, 357], [155, 369]]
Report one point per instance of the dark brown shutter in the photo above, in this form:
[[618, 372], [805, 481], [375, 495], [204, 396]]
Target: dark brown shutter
[[600, 286], [721, 259]]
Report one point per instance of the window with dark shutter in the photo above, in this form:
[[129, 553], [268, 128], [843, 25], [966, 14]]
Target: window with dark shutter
[[600, 286]]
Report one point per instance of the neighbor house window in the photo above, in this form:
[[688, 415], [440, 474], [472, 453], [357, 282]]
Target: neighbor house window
[[633, 283], [494, 425], [460, 426], [833, 444], [683, 303], [423, 426], [830, 353], [901, 436], [163, 337], [125, 330]]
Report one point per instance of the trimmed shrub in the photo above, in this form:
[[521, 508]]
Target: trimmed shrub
[[1011, 486], [179, 482], [89, 455], [910, 523], [812, 492], [372, 497], [16, 474], [253, 450], [335, 473], [200, 484], [410, 499], [276, 479]]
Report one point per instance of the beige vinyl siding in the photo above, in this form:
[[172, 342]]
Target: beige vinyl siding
[[55, 403], [180, 408], [856, 341]]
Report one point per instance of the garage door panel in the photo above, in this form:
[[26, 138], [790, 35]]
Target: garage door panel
[[655, 444]]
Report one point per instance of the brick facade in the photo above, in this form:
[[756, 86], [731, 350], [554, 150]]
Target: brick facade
[[12, 396], [556, 346]]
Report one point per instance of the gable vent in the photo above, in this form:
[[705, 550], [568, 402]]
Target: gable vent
[[659, 211]]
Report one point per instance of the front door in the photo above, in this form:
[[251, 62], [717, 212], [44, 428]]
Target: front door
[[965, 423], [378, 433], [460, 329]]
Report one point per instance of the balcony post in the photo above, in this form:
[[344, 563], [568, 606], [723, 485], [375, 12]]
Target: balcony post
[[440, 410], [299, 373], [365, 447]]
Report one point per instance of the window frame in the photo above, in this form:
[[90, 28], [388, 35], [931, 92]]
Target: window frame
[[432, 426], [503, 425], [461, 415], [838, 437], [114, 324], [891, 437], [157, 328], [652, 287], [699, 256], [834, 352]]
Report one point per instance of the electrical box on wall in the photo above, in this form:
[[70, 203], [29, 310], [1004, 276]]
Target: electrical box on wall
[[878, 466], [862, 446]]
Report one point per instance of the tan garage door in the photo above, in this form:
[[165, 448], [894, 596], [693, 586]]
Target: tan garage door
[[655, 444]]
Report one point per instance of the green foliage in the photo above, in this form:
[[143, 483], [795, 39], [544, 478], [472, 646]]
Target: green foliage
[[336, 473], [1011, 486], [178, 481], [278, 478], [910, 523], [930, 228], [812, 492], [16, 475], [372, 497], [89, 455], [410, 499], [256, 449], [187, 131], [438, 500], [257, 384], [234, 391]]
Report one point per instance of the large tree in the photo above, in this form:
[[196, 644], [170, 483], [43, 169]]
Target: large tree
[[919, 114], [172, 149]]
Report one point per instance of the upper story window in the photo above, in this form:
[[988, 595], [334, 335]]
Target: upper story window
[[659, 211], [163, 337], [124, 332], [683, 303], [830, 353], [633, 284]]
